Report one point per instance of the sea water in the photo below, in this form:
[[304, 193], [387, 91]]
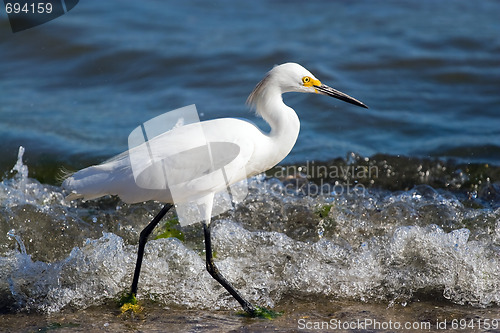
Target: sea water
[[393, 206], [368, 245]]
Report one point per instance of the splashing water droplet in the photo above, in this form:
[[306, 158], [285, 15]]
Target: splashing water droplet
[[12, 233]]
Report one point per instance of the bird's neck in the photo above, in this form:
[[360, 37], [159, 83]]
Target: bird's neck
[[284, 122]]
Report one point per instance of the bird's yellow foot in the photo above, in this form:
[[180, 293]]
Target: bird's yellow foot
[[128, 302], [261, 312], [135, 308]]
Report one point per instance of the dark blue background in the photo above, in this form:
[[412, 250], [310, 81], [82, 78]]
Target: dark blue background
[[429, 71]]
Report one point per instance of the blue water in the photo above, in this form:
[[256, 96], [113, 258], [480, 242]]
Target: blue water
[[429, 71]]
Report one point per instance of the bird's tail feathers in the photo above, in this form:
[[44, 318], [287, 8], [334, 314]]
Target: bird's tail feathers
[[63, 174]]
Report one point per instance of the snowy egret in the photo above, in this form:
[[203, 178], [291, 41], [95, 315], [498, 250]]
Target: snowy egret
[[249, 149]]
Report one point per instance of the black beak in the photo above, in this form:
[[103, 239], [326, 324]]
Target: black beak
[[326, 90]]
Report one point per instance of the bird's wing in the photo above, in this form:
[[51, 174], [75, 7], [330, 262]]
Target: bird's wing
[[180, 156], [175, 158]]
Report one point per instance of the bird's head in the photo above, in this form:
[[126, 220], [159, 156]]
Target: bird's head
[[291, 77]]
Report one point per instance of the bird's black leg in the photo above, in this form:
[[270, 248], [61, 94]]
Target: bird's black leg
[[215, 273], [143, 238]]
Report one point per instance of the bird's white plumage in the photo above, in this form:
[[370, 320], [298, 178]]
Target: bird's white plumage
[[241, 147]]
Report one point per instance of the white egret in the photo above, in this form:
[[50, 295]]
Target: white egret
[[242, 146]]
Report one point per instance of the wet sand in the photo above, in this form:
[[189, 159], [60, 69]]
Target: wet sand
[[298, 316]]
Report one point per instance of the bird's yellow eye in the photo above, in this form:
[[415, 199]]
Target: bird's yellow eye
[[308, 81]]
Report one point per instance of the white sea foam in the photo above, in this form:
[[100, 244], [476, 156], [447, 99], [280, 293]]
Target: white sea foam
[[394, 247]]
